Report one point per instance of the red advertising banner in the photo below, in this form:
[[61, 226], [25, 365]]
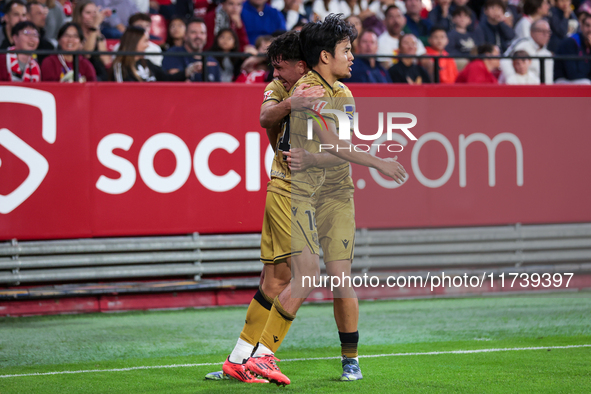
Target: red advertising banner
[[153, 159]]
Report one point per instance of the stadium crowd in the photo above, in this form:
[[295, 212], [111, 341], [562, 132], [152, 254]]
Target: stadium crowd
[[240, 31]]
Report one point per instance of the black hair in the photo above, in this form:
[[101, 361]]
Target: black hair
[[521, 54], [492, 3], [169, 40], [391, 7], [31, 3], [486, 49], [462, 9], [584, 16], [285, 47], [531, 6], [22, 26], [139, 16], [9, 5], [325, 36], [215, 47], [437, 28], [195, 20], [366, 31], [66, 26]]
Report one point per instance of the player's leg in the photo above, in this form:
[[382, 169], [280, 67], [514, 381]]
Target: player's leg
[[275, 252], [305, 271], [336, 229], [274, 278], [283, 312], [346, 314]]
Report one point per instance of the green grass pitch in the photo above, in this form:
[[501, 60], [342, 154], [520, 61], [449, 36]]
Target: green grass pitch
[[414, 341]]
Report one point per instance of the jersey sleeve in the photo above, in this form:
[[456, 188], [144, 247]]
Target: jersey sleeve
[[274, 92]]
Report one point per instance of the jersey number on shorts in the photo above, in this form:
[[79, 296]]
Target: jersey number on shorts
[[311, 219]]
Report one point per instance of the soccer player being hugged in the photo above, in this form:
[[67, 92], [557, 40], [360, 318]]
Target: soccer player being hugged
[[289, 231]]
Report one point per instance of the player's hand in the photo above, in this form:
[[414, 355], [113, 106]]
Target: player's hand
[[305, 96], [391, 168], [299, 159]]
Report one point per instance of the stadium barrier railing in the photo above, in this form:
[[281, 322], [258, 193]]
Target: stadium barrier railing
[[436, 58], [221, 261]]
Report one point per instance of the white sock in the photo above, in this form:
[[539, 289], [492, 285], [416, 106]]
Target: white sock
[[261, 350], [241, 352]]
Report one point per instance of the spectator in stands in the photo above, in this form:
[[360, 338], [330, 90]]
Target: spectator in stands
[[512, 13], [227, 41], [522, 74], [563, 22], [292, 15], [55, 19], [416, 25], [21, 68], [15, 11], [321, 8], [261, 19], [114, 25], [481, 70], [227, 15], [495, 30], [441, 15], [145, 22], [88, 16], [388, 41], [534, 46], [138, 69], [176, 33], [473, 17], [37, 13], [406, 70], [575, 71], [379, 7], [533, 10], [60, 68], [368, 70], [256, 68], [461, 40], [448, 71], [195, 39], [355, 21]]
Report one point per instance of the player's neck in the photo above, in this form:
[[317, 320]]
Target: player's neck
[[325, 73]]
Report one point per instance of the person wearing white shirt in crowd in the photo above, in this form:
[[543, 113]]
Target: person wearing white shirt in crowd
[[535, 45], [533, 10], [388, 41], [292, 14], [145, 22], [522, 75], [379, 7], [353, 7]]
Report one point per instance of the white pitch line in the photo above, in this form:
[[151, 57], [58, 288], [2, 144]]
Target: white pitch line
[[302, 359]]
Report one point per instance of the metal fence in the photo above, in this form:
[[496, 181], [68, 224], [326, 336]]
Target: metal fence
[[536, 248], [436, 58]]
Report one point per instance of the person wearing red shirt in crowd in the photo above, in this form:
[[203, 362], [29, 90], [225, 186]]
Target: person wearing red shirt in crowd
[[448, 72], [480, 70], [227, 15], [21, 67], [60, 68]]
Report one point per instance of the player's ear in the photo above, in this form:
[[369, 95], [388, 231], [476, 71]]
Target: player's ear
[[324, 56], [301, 66]]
